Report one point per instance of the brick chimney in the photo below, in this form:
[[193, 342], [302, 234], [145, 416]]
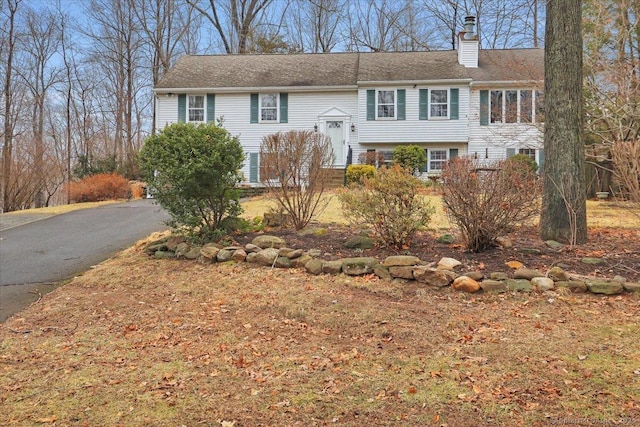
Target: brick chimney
[[468, 44]]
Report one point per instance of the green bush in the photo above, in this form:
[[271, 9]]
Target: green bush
[[390, 203], [410, 157], [355, 173], [525, 162], [193, 171]]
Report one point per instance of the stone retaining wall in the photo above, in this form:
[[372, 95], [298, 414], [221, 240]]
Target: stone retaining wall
[[271, 251]]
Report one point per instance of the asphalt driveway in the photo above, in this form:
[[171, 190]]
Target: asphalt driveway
[[38, 252]]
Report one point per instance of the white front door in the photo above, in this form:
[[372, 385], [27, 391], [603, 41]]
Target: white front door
[[335, 131]]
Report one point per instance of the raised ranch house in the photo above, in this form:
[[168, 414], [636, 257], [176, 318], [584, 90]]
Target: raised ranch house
[[483, 103]]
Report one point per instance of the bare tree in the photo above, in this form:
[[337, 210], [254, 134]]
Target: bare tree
[[564, 216], [315, 24], [233, 20]]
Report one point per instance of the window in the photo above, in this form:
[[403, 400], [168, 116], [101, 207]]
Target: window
[[196, 108], [526, 106], [269, 107], [437, 159], [386, 105], [439, 103], [511, 106], [496, 106], [529, 152]]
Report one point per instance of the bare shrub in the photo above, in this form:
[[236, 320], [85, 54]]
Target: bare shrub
[[296, 168], [374, 158], [486, 203], [391, 203], [626, 165], [96, 188]]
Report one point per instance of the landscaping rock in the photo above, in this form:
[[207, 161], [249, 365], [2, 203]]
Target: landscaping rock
[[554, 244], [530, 251], [519, 285], [152, 248], [558, 274], [193, 253], [493, 286], [542, 283], [282, 262], [267, 256], [631, 287], [209, 252], [314, 266], [604, 287], [173, 242], [358, 266], [401, 260], [359, 242], [224, 255], [514, 264], [239, 255], [431, 276], [619, 279], [164, 255], [315, 253], [266, 241], [527, 273], [575, 286], [465, 284], [498, 275], [251, 257], [382, 271], [401, 272], [181, 249], [332, 267], [293, 254], [448, 263], [250, 247], [504, 242], [475, 275], [593, 261], [446, 238], [300, 261]]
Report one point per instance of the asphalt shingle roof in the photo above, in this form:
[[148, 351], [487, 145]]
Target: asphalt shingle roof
[[347, 69]]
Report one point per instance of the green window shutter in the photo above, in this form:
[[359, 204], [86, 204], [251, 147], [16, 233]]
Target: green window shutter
[[453, 152], [371, 104], [284, 107], [511, 152], [540, 161], [254, 108], [182, 108], [484, 107], [453, 104], [211, 107], [423, 104], [402, 96], [253, 167]]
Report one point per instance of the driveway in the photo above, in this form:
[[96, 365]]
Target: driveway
[[38, 252]]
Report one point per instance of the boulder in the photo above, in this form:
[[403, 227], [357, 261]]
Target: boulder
[[164, 255], [314, 253], [519, 285], [314, 266], [209, 252], [291, 253], [558, 274], [498, 275], [401, 260], [554, 244], [505, 242], [575, 286], [496, 286], [300, 261], [192, 253], [631, 287], [514, 264], [465, 284], [239, 255], [282, 262], [332, 267], [432, 276], [530, 251], [267, 241], [527, 273], [251, 257], [267, 256], [542, 283], [250, 247], [401, 272], [448, 263], [592, 261], [475, 275], [359, 242], [604, 287], [224, 255], [153, 247], [173, 242], [382, 271], [181, 249], [358, 266], [446, 238]]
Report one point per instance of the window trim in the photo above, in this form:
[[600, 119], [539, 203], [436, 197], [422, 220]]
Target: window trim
[[533, 112], [442, 161], [189, 108], [447, 104], [395, 104], [277, 107]]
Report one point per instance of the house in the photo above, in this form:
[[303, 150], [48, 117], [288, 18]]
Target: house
[[483, 103]]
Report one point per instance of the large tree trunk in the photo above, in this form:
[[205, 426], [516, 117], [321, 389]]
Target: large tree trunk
[[563, 216]]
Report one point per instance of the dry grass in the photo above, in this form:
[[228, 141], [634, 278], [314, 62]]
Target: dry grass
[[138, 341], [57, 210]]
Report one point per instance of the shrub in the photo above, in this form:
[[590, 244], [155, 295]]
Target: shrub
[[295, 168], [96, 188], [193, 171], [374, 158], [524, 161], [355, 173], [410, 157], [626, 166], [485, 203], [390, 202]]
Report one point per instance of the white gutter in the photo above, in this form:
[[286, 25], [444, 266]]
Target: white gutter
[[176, 90], [387, 83], [502, 83]]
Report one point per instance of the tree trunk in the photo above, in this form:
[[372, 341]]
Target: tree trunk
[[563, 216]]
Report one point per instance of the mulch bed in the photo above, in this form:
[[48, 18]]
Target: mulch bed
[[620, 248]]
